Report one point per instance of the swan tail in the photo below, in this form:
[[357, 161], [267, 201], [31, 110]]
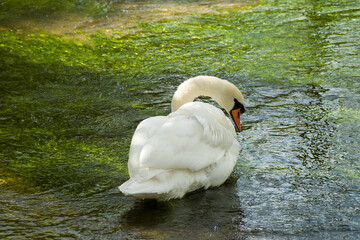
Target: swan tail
[[150, 189], [167, 185]]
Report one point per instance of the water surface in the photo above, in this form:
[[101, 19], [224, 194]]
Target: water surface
[[69, 108]]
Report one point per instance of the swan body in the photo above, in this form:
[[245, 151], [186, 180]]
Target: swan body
[[193, 147]]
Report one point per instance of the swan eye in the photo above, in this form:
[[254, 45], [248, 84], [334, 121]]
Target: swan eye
[[238, 105]]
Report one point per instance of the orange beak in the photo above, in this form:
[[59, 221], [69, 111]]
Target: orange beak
[[235, 115]]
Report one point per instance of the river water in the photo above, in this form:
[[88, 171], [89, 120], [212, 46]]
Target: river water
[[65, 136]]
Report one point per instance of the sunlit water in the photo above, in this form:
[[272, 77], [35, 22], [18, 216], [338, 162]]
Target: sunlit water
[[124, 16], [297, 175]]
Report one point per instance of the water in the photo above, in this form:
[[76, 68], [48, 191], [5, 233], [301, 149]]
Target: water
[[68, 112]]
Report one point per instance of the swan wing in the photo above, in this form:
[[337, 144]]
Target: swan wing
[[144, 131], [195, 137]]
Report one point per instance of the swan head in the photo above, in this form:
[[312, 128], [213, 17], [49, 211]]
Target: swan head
[[232, 100], [235, 113], [226, 94]]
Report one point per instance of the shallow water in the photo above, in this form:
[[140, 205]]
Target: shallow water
[[122, 16], [66, 125]]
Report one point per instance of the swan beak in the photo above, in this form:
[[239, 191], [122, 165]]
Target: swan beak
[[235, 115]]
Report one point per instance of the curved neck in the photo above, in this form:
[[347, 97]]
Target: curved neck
[[201, 86]]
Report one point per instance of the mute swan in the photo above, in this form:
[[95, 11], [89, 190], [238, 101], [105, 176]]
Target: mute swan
[[195, 146]]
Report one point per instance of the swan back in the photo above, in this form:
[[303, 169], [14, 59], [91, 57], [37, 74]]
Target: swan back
[[217, 130]]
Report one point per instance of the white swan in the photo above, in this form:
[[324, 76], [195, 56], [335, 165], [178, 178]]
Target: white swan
[[193, 147]]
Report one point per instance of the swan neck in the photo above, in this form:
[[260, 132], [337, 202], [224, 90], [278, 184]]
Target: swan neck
[[200, 86]]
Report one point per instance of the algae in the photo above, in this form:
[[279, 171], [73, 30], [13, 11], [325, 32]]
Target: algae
[[59, 94]]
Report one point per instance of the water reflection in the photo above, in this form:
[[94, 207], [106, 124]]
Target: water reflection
[[211, 214]]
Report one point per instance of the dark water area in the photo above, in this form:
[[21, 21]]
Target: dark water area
[[70, 102]]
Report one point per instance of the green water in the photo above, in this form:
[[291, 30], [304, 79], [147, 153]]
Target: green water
[[70, 104]]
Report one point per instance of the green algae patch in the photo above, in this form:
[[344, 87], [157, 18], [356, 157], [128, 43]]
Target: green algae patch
[[259, 43], [345, 114], [69, 107], [54, 106]]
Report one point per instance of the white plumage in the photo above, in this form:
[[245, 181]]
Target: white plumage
[[193, 147]]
